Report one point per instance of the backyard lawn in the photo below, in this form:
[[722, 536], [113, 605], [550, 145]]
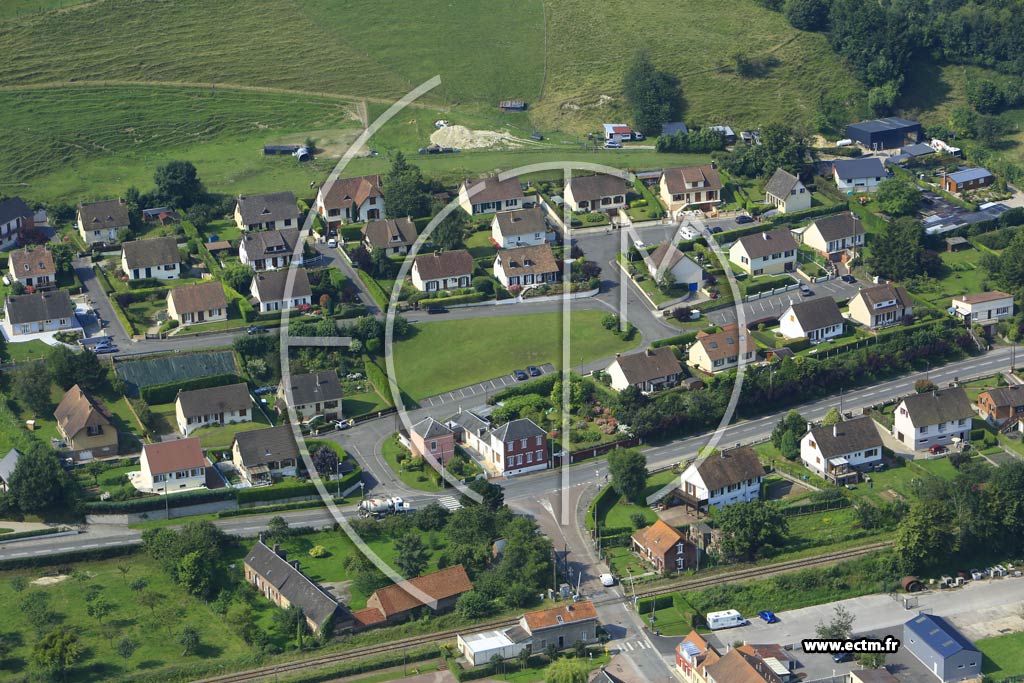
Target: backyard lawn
[[219, 438], [479, 244], [1004, 656], [21, 351], [442, 356], [365, 403], [963, 274]]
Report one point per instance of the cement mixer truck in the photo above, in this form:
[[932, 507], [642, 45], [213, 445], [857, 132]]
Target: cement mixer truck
[[382, 507]]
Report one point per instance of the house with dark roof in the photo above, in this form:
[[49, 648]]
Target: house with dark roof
[[526, 266], [837, 237], [273, 211], [523, 228], [786, 193], [490, 195], [888, 133], [816, 320], [268, 249], [984, 308], [350, 200], [390, 235], [442, 270], [203, 302], [967, 180], [282, 582], [470, 429], [721, 351], [15, 217], [733, 475], [171, 466], [156, 258], [269, 290], [433, 441], [941, 648], [933, 418], [840, 452], [33, 267], [881, 306], [39, 312], [599, 193], [7, 465], [312, 394], [437, 592], [854, 176], [673, 127], [1001, 404], [765, 253], [664, 548], [686, 187], [516, 447], [85, 425], [649, 370], [262, 454], [226, 404], [98, 222], [667, 260]]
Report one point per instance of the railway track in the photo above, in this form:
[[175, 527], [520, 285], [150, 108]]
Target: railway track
[[747, 574]]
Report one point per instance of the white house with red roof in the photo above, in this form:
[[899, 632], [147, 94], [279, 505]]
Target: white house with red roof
[[171, 467]]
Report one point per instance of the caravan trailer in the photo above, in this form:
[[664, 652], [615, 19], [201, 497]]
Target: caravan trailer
[[729, 618]]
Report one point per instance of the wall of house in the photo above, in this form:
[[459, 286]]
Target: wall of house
[[444, 446], [924, 437], [99, 444], [568, 633], [97, 235], [982, 312], [230, 417]]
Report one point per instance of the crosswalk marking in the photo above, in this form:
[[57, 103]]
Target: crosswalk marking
[[449, 503]]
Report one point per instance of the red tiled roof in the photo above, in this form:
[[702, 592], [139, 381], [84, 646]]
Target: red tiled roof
[[569, 613], [442, 584], [659, 537], [172, 456]]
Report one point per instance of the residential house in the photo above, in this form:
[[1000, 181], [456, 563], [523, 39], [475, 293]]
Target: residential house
[[721, 351], [270, 290], [674, 127], [442, 270], [698, 187], [693, 655], [560, 626], [262, 454], [888, 133], [967, 180], [650, 370], [881, 306], [617, 132], [350, 200], [841, 451], [470, 430], [227, 404], [786, 193], [816, 320], [269, 249], [7, 465], [985, 309], [737, 667], [98, 222], [156, 258], [872, 676], [732, 476], [203, 302], [172, 466], [598, 193], [433, 441], [671, 262], [15, 216], [312, 394], [85, 425], [517, 447], [765, 253], [941, 648], [282, 582], [273, 211], [765, 657], [523, 228], [39, 312], [437, 592], [837, 237], [390, 235], [33, 267], [858, 175], [490, 195], [933, 418], [1002, 404], [526, 266], [664, 548]]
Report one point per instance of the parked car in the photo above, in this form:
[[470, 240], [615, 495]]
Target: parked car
[[841, 657], [611, 144], [607, 580], [332, 243], [255, 329], [768, 616], [534, 371], [105, 348], [639, 244], [848, 278], [638, 136], [806, 291], [937, 448], [434, 310], [743, 220], [519, 375], [344, 424], [715, 230]]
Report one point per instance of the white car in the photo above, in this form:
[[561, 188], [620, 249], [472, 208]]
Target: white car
[[332, 243], [607, 580], [441, 123], [639, 244]]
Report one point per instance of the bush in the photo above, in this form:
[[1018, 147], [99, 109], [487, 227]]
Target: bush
[[165, 393], [144, 283], [977, 435], [318, 551], [678, 340]]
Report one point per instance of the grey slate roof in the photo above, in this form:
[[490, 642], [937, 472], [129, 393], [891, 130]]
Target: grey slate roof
[[878, 125], [523, 428], [292, 584], [649, 364], [673, 128], [12, 208], [968, 174], [817, 313], [781, 183], [841, 225], [8, 463], [939, 635], [848, 436], [264, 208], [262, 446], [430, 428], [259, 244], [729, 467], [591, 187], [765, 243], [270, 285], [159, 251], [315, 387], [918, 149], [390, 232], [111, 213], [469, 421], [868, 167], [30, 308], [228, 398], [522, 222], [935, 407]]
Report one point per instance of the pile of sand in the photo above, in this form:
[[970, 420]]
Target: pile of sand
[[463, 138], [49, 580]]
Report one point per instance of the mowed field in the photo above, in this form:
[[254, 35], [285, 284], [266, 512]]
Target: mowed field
[[447, 355]]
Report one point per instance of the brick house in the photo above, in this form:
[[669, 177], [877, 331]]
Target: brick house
[[664, 548], [437, 592], [517, 447], [1001, 404], [433, 441], [967, 180]]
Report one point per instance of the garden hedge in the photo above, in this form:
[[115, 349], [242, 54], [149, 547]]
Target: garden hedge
[[173, 500], [541, 386], [30, 534], [660, 602], [263, 493], [678, 340], [165, 393], [70, 557]]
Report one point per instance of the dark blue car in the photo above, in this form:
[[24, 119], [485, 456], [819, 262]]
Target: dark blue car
[[768, 616]]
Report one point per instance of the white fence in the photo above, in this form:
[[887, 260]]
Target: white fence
[[777, 290]]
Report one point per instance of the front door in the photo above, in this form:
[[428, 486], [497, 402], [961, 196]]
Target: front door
[[202, 316]]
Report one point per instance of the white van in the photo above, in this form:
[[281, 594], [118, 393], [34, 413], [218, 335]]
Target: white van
[[729, 618]]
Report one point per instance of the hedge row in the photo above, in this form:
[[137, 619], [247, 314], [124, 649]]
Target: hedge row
[[769, 284], [797, 216], [280, 507], [603, 502], [660, 602], [101, 277], [245, 308], [255, 495], [541, 386], [173, 500], [165, 393], [678, 340], [30, 534], [350, 233], [68, 558], [456, 300]]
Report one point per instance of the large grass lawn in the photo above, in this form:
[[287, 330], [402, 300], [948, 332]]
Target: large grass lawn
[[364, 403], [446, 355], [1004, 656]]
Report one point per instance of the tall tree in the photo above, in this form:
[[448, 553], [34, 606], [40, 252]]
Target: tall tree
[[491, 495], [840, 627], [38, 482], [832, 417], [57, 651], [896, 254], [567, 671], [628, 468], [189, 640], [407, 191], [450, 233], [30, 383], [807, 15], [898, 197], [178, 185], [126, 648], [653, 95], [411, 555], [749, 529]]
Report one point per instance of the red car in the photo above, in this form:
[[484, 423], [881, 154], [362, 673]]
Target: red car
[[937, 448]]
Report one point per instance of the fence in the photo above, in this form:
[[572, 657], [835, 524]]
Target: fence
[[593, 452], [811, 508], [772, 292]]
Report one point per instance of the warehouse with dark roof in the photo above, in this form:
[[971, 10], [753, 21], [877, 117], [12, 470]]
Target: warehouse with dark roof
[[941, 648], [888, 133]]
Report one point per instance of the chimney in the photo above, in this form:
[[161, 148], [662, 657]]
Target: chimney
[[295, 563], [809, 426], [764, 236], [649, 351], [714, 164], [277, 549], [835, 430]]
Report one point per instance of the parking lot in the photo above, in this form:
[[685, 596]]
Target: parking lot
[[479, 391], [773, 306]]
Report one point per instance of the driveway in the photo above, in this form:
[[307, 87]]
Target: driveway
[[99, 301]]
